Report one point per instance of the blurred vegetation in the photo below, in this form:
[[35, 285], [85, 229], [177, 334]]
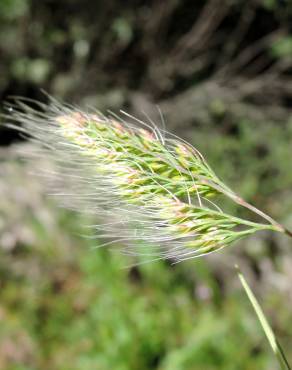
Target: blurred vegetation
[[221, 73]]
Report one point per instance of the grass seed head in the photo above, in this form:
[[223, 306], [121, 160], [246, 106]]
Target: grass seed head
[[149, 190]]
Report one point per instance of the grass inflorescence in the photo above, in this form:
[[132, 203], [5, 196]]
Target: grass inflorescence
[[149, 190]]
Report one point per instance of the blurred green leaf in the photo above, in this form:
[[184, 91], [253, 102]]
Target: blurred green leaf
[[282, 48], [123, 30], [34, 70], [13, 9]]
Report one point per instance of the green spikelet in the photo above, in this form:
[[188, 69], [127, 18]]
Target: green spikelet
[[154, 188]]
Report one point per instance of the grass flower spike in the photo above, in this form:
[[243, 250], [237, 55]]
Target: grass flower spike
[[150, 191]]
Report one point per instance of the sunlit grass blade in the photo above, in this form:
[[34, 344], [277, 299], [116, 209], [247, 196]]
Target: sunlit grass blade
[[277, 349]]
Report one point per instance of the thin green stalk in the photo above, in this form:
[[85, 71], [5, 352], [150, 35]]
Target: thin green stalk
[[276, 347]]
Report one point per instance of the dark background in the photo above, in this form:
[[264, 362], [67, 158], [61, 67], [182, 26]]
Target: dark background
[[220, 71]]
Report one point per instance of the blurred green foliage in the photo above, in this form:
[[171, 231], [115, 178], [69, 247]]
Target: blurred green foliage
[[81, 309], [283, 47], [13, 9]]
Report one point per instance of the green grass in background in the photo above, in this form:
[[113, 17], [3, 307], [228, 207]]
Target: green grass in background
[[67, 306]]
